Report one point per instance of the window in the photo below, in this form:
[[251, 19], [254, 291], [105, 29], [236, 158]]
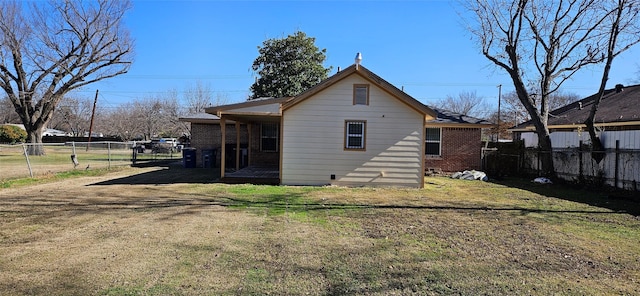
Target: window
[[432, 141], [361, 94], [269, 137], [355, 135]]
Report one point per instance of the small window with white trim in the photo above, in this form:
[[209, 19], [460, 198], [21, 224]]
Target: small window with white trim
[[355, 135], [432, 141]]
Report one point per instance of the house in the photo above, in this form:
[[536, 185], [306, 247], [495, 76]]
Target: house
[[352, 129], [49, 132], [617, 119], [617, 123]]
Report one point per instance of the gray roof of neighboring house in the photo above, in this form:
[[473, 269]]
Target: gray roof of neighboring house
[[448, 117], [199, 117], [616, 107]]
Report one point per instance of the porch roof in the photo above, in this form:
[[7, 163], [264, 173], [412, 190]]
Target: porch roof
[[264, 109]]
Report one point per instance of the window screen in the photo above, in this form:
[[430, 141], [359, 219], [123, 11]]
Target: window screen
[[432, 141], [269, 137], [361, 94], [354, 132]]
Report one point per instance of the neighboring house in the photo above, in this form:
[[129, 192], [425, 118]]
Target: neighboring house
[[617, 119], [352, 129], [617, 123], [49, 132]]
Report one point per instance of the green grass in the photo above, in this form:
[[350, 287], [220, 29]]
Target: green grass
[[13, 163], [53, 177], [453, 237]]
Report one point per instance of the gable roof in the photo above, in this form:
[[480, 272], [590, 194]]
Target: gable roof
[[618, 107], [369, 76], [446, 118]]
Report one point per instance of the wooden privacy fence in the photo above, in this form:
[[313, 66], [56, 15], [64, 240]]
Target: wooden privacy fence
[[620, 168]]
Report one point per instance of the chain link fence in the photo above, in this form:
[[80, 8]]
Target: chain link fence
[[15, 162]]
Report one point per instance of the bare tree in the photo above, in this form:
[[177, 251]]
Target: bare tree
[[171, 125], [466, 103], [72, 115], [51, 48], [121, 122], [198, 97], [157, 116], [221, 99], [514, 111], [540, 43], [507, 121], [7, 112], [623, 33]]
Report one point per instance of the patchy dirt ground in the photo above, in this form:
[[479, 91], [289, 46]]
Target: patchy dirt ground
[[171, 231]]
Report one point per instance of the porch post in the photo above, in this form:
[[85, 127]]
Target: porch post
[[249, 127], [237, 145], [223, 148], [423, 152]]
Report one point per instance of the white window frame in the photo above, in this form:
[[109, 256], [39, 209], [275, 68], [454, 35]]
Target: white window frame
[[348, 136]]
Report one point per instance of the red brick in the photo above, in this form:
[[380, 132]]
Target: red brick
[[461, 150]]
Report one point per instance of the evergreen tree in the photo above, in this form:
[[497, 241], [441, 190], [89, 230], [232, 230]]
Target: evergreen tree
[[288, 66]]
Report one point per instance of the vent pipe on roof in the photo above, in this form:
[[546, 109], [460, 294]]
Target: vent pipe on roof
[[358, 59], [619, 88]]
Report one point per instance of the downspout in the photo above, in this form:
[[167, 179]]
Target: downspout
[[223, 150]]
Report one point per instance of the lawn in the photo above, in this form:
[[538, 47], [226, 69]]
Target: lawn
[[171, 231], [57, 158]]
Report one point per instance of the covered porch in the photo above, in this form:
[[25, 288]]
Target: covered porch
[[258, 162]]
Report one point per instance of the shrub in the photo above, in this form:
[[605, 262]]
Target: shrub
[[12, 134]]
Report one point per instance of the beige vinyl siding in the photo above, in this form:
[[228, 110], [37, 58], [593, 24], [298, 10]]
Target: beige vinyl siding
[[313, 140]]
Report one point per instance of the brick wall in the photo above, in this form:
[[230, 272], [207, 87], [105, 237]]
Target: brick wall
[[258, 157], [209, 136], [461, 150]]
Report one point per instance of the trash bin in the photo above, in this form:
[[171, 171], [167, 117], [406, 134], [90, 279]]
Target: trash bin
[[208, 158], [189, 157]]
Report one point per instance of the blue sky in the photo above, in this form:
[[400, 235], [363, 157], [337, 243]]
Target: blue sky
[[419, 45]]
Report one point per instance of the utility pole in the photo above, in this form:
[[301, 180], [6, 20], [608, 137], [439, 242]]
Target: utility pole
[[93, 113], [499, 100]]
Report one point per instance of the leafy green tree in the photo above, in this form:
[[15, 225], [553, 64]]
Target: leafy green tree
[[288, 66], [12, 134]]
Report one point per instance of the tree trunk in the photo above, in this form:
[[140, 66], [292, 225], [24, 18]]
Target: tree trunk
[[546, 156], [35, 141], [597, 148]]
